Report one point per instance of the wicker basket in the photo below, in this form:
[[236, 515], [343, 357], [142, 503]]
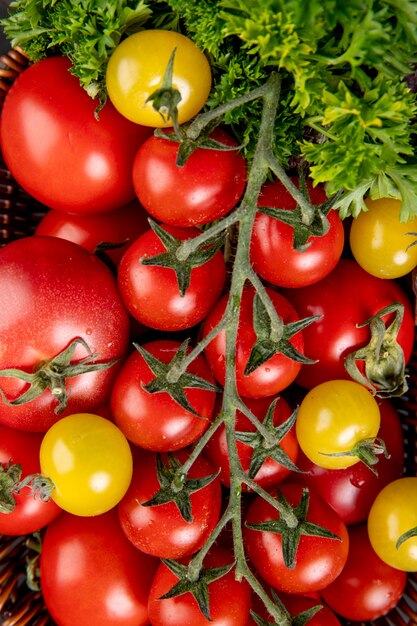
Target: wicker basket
[[19, 606]]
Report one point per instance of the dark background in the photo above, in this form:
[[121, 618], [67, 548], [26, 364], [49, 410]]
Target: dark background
[[4, 44]]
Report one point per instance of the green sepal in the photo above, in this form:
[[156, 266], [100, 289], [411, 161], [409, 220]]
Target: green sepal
[[383, 356], [198, 588], [263, 449], [405, 536], [297, 620], [174, 388], [169, 259], [366, 450], [53, 373], [266, 345], [166, 98], [33, 572], [101, 249], [290, 537], [176, 487], [10, 475]]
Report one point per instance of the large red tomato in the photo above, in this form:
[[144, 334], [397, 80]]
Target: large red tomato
[[351, 491], [152, 293], [276, 373], [206, 188], [156, 421], [348, 296], [55, 292], [30, 513], [229, 599], [318, 561], [160, 529], [91, 574], [58, 151], [272, 251]]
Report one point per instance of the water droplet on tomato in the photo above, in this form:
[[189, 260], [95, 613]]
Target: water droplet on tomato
[[88, 331]]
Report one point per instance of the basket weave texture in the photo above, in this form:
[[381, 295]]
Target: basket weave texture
[[19, 606]]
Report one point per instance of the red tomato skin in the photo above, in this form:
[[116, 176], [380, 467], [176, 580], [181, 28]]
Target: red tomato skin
[[346, 297], [271, 472], [122, 225], [206, 188], [318, 561], [272, 253], [351, 491], [367, 588], [91, 574], [160, 530], [55, 291], [229, 599], [30, 514], [151, 293], [271, 377], [64, 157], [156, 421]]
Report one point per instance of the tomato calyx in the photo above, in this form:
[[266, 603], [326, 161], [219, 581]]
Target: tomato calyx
[[412, 532], [53, 373], [383, 356], [273, 336], [198, 587], [171, 379], [291, 535], [176, 487], [166, 98], [297, 620], [264, 447], [11, 483], [172, 258], [367, 451], [33, 572]]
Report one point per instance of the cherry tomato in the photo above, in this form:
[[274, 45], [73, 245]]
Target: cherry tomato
[[30, 514], [380, 242], [319, 560], [367, 588], [332, 419], [55, 292], [91, 574], [272, 251], [351, 491], [72, 162], [271, 472], [136, 69], [160, 529], [122, 226], [206, 188], [229, 599], [151, 293], [392, 514], [89, 462], [348, 296], [156, 421], [275, 374]]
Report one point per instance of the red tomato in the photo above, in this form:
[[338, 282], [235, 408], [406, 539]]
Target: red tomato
[[160, 530], [30, 514], [91, 574], [206, 188], [271, 472], [367, 587], [123, 225], [56, 149], [229, 599], [272, 251], [151, 293], [346, 297], [351, 491], [319, 560], [54, 291], [155, 421], [275, 374]]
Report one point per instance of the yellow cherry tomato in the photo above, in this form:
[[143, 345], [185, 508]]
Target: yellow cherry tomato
[[332, 419], [89, 461], [393, 513], [137, 67], [379, 241]]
